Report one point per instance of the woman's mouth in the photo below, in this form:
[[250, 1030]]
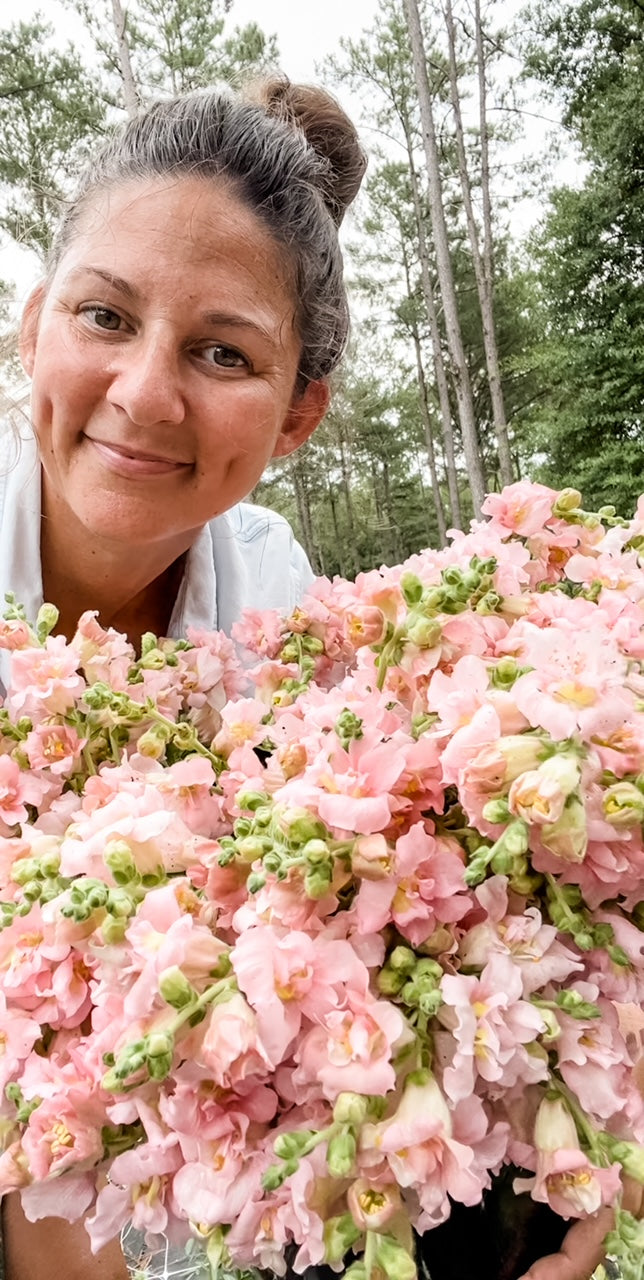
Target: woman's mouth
[[134, 463]]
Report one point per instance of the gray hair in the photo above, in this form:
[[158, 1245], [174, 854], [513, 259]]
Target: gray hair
[[289, 153]]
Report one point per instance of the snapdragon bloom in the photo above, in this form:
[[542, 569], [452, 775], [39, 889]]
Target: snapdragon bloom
[[491, 1024]]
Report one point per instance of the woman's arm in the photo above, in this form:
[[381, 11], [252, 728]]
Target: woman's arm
[[581, 1252], [54, 1249], [583, 1248]]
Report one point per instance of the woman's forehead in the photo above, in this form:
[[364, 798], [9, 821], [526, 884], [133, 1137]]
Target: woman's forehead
[[178, 217]]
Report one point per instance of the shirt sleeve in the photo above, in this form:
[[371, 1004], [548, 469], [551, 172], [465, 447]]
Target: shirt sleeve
[[277, 569]]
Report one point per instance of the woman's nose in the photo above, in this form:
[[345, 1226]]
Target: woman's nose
[[146, 382]]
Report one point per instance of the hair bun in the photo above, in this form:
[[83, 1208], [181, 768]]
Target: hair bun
[[327, 129]]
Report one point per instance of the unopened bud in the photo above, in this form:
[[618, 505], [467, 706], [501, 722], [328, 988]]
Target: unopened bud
[[411, 587], [117, 855], [339, 1235], [623, 805], [175, 988], [350, 1108], [341, 1154], [424, 632], [568, 500]]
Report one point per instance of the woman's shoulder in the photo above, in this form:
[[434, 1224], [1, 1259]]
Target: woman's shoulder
[[272, 569]]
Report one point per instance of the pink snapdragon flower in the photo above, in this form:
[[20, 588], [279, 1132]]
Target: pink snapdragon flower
[[54, 746], [491, 1024], [424, 887], [565, 1178], [45, 682], [293, 977], [424, 1153], [352, 1049], [533, 946]]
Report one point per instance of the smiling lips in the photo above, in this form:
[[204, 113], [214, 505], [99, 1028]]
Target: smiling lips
[[135, 463]]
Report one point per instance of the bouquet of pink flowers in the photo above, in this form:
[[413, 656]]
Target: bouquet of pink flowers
[[295, 954]]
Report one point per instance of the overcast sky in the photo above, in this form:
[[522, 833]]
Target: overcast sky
[[306, 30]]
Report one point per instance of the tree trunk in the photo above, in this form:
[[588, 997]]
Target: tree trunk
[[484, 282], [303, 510], [336, 527], [437, 350], [444, 265], [348, 502], [488, 242], [431, 453], [130, 93], [424, 413], [394, 554]]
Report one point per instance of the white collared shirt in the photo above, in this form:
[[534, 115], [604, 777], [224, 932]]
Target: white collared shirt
[[246, 558]]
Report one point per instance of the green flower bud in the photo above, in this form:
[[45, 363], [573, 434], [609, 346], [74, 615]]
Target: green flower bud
[[32, 890], [252, 800], [623, 805], [50, 863], [160, 1066], [291, 1146], [567, 501], [402, 959], [154, 660], [339, 1235], [24, 870], [341, 1154], [113, 931], [250, 848], [390, 983], [46, 621], [317, 882], [154, 741], [394, 1259], [255, 882], [351, 1108], [553, 1026], [423, 632], [316, 853], [411, 587], [175, 989], [631, 1157], [276, 1175], [117, 855], [348, 727], [489, 603], [301, 826], [496, 811]]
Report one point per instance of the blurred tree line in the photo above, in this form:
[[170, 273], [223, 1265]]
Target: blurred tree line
[[478, 356]]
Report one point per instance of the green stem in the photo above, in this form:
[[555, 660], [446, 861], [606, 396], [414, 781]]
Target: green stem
[[207, 997], [195, 745], [552, 884], [581, 1120], [370, 1253]]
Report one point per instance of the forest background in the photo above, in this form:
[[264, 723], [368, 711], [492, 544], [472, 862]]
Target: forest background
[[483, 351]]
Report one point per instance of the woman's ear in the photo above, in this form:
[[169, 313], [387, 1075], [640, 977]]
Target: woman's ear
[[306, 412], [29, 328]]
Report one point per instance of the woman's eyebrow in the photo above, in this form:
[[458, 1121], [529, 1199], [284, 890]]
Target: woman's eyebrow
[[231, 319], [115, 282]]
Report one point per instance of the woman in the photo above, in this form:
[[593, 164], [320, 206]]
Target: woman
[[184, 336]]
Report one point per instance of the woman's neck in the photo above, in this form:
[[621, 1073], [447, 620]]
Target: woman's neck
[[133, 588]]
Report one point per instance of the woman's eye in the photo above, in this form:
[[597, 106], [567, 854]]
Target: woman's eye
[[224, 357], [104, 318]]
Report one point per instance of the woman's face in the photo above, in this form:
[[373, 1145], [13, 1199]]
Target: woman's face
[[164, 359]]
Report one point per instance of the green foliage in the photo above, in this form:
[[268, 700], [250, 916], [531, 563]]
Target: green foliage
[[49, 107], [179, 46], [55, 102], [589, 254]]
